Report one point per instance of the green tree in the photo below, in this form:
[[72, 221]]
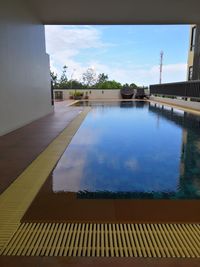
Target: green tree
[[63, 78], [89, 77], [133, 85], [77, 85], [102, 77], [126, 85], [54, 79], [111, 85]]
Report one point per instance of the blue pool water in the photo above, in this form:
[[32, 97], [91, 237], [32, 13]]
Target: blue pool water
[[132, 150]]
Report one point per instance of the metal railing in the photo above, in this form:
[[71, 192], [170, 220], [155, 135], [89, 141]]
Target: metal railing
[[182, 89]]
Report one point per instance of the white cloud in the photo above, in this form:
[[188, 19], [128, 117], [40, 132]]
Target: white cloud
[[60, 38], [143, 75], [174, 72], [65, 43]]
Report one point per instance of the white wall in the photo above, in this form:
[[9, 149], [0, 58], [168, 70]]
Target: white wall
[[24, 67], [95, 93]]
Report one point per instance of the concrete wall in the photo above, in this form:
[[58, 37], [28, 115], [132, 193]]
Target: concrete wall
[[24, 67], [178, 102], [94, 94]]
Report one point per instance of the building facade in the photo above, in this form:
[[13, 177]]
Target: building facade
[[196, 61], [193, 69], [191, 52], [25, 89]]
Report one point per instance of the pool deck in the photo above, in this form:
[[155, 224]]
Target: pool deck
[[28, 156], [20, 147]]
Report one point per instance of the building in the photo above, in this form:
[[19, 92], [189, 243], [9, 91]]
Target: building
[[24, 75], [193, 70], [191, 52], [28, 157], [196, 64]]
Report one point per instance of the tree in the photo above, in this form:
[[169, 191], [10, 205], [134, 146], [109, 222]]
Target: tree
[[89, 77], [102, 78], [89, 80], [63, 78], [54, 79], [111, 85], [133, 85], [77, 85], [126, 85]]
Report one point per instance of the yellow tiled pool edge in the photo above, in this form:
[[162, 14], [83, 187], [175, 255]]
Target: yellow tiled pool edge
[[105, 240], [15, 200]]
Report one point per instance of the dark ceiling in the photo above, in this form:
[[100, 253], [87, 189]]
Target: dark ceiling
[[116, 11]]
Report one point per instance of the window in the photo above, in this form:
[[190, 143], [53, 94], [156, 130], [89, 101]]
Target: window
[[192, 44], [190, 71]]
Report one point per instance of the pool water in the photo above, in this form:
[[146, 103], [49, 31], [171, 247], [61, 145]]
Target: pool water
[[132, 150]]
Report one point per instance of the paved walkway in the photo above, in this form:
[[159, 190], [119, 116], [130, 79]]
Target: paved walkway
[[20, 147]]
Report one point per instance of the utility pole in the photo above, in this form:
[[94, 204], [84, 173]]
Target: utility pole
[[161, 65]]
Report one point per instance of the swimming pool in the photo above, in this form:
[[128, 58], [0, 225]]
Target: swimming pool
[[132, 150]]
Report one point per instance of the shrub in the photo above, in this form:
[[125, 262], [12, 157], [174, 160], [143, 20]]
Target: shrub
[[77, 93]]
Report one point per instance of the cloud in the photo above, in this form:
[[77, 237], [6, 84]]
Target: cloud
[[66, 43], [171, 73], [143, 75], [63, 43], [71, 39]]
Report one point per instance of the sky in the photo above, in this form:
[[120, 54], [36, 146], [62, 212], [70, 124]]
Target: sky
[[126, 53]]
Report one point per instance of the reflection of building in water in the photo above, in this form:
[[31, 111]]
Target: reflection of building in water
[[183, 149], [193, 72], [190, 150], [130, 104], [192, 158], [126, 104], [186, 120]]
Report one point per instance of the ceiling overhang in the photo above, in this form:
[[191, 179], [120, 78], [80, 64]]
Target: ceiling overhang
[[116, 11]]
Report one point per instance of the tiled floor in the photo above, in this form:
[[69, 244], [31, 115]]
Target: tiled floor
[[20, 147]]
